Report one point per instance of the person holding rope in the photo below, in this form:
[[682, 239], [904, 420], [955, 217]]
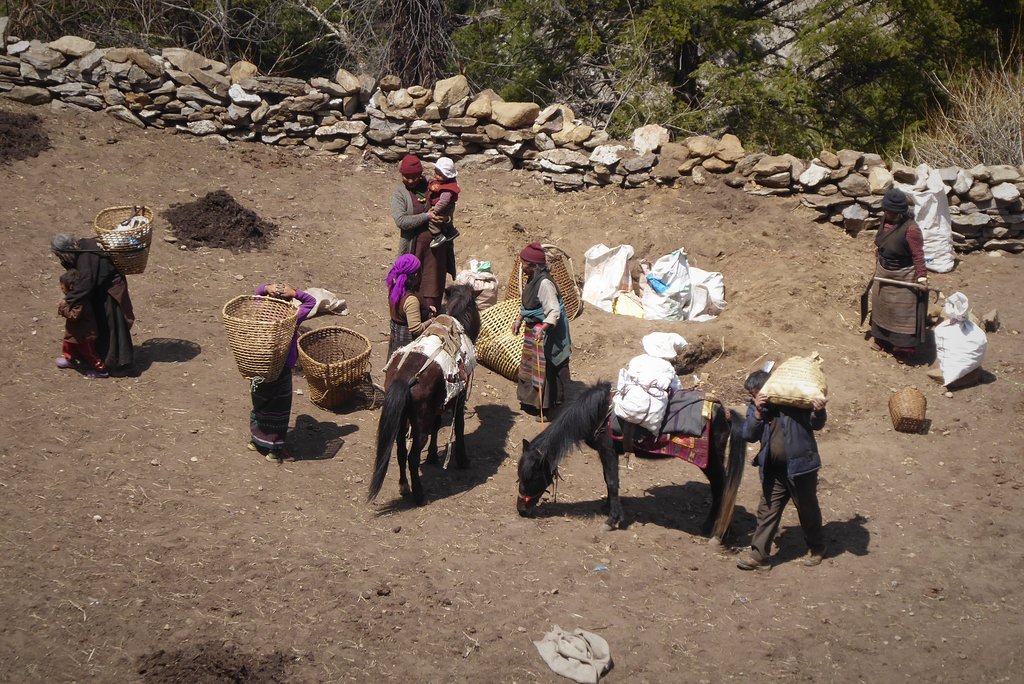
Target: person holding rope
[[544, 366]]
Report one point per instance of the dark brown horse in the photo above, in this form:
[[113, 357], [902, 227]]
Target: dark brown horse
[[414, 397], [585, 420]]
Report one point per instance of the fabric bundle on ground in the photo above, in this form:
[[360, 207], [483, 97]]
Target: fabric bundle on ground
[[580, 655], [960, 345]]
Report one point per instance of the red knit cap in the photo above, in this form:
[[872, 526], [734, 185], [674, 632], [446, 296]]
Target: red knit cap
[[533, 253], [410, 165]]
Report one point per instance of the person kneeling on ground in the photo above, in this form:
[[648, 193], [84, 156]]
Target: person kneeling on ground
[[272, 399], [789, 464]]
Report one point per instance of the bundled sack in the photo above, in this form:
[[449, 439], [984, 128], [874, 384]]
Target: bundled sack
[[606, 272], [484, 284], [666, 295], [960, 345], [797, 381], [707, 298], [643, 388]]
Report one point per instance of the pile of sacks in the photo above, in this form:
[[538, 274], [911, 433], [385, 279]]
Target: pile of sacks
[[671, 289]]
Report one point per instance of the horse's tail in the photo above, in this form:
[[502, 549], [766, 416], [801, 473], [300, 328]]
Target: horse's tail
[[733, 473], [395, 401]]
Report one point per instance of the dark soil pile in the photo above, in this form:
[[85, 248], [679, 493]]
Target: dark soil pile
[[21, 136], [217, 220], [213, 664]]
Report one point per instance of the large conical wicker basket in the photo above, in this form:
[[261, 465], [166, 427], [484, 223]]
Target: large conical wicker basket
[[335, 361], [562, 273], [497, 347], [128, 249], [907, 408], [260, 332]]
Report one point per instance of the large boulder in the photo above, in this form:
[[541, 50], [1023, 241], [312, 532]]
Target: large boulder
[[717, 165], [855, 185], [564, 157], [240, 97], [553, 118], [29, 95], [1005, 192], [879, 180], [183, 59], [242, 70], [480, 107], [701, 145], [212, 81], [72, 46], [347, 81], [275, 85], [571, 134], [389, 82], [769, 166], [139, 58], [649, 138], [448, 91], [849, 158], [514, 114], [902, 173], [42, 57], [829, 159], [730, 149], [814, 175], [122, 113], [1003, 173]]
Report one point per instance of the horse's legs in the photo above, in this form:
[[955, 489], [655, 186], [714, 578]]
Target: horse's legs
[[403, 455], [610, 464], [435, 427], [461, 459], [715, 472], [420, 428]]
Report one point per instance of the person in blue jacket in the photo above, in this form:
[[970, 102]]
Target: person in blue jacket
[[789, 464]]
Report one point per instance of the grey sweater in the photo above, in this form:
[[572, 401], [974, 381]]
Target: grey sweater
[[403, 211]]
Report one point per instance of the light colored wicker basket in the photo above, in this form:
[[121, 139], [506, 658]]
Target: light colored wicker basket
[[128, 249], [335, 361], [562, 273], [907, 408], [497, 347], [260, 332]]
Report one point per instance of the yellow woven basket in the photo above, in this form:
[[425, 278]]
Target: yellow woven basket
[[335, 362], [128, 249], [260, 332], [496, 347], [562, 273], [907, 409]]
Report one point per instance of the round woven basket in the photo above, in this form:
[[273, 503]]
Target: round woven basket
[[260, 332], [335, 361], [128, 249], [562, 273], [907, 408], [497, 347]]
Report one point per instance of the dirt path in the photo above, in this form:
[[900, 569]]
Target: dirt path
[[142, 542]]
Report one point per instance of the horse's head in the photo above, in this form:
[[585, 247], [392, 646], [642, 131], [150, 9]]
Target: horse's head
[[535, 475], [460, 304]]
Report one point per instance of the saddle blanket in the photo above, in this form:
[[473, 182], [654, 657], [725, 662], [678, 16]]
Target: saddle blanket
[[445, 343], [686, 447]]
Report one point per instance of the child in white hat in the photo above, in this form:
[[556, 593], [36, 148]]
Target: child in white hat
[[442, 194]]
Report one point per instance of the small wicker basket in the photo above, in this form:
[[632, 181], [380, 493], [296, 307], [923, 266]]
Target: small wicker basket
[[907, 409], [497, 347], [560, 266], [260, 332], [128, 249], [335, 361]]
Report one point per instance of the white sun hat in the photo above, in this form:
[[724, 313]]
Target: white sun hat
[[447, 167]]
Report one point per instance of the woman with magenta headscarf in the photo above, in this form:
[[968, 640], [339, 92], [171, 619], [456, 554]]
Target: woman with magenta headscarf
[[409, 313]]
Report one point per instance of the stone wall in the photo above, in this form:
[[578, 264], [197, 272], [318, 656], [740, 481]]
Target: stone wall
[[177, 88]]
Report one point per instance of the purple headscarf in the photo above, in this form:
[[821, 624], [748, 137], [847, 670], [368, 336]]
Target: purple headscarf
[[405, 266]]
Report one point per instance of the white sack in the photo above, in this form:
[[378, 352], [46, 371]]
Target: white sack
[[663, 345], [605, 272], [960, 345], [484, 284], [707, 296], [326, 302], [672, 270], [931, 212], [642, 391]]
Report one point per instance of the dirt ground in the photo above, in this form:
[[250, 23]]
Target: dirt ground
[[142, 542]]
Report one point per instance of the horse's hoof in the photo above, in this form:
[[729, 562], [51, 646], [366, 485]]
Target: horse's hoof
[[404, 490], [715, 543], [606, 527]]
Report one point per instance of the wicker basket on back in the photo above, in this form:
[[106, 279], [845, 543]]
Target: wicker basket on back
[[907, 409], [562, 273], [335, 361], [260, 331], [497, 347], [128, 249]]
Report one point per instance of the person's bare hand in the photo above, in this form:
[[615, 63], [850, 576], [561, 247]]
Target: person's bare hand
[[759, 401], [819, 404], [516, 326]]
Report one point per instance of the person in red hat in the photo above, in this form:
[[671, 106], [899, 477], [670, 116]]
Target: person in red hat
[[409, 209], [544, 367]]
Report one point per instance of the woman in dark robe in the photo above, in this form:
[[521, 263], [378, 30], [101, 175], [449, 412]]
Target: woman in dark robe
[[898, 312], [544, 367], [101, 285]]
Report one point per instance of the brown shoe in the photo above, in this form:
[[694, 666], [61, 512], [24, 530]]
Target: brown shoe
[[748, 562], [814, 558]]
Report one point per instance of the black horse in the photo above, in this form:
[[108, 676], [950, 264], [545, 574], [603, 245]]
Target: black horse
[[586, 420], [414, 396]]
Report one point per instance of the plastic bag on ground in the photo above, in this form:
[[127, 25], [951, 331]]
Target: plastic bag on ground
[[931, 212], [605, 272], [672, 302], [960, 345]]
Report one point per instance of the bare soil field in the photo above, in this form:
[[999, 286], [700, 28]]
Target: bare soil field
[[142, 541]]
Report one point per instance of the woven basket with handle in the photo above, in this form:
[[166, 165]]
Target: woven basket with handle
[[336, 363], [562, 273], [907, 409], [128, 249], [497, 347], [260, 332]]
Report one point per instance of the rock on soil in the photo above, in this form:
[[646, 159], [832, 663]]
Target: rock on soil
[[217, 220], [21, 136]]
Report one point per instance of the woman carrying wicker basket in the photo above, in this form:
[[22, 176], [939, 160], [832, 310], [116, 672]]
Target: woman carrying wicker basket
[[101, 285], [544, 366], [410, 315], [272, 399]]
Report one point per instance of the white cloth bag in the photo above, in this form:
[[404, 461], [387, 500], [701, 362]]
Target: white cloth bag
[[707, 295], [605, 272], [960, 345], [642, 391], [931, 213], [672, 304]]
